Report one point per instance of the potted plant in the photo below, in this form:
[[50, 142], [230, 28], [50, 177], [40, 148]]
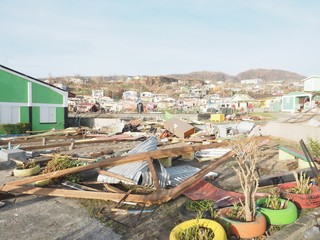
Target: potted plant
[[200, 229], [192, 209], [302, 192], [278, 211], [25, 169], [242, 220]]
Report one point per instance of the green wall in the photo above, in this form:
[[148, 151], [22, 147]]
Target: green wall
[[288, 103], [24, 114], [36, 125], [13, 88], [42, 94]]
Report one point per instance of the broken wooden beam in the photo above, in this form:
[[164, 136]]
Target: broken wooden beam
[[154, 174]]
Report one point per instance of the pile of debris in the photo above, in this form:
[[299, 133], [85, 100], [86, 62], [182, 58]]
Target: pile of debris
[[145, 165]]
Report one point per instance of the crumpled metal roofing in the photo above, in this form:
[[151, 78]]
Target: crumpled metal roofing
[[180, 173], [138, 171], [245, 126]]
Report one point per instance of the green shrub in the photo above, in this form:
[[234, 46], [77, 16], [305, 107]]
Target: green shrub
[[60, 162], [18, 128], [314, 146]]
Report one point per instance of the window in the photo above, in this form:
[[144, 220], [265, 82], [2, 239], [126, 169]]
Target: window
[[47, 114], [9, 114]]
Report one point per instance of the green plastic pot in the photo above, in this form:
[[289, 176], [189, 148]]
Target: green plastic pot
[[281, 216]]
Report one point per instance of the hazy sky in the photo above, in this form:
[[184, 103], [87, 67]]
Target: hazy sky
[[45, 38]]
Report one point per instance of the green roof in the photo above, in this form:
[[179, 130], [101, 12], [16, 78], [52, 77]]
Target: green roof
[[297, 93]]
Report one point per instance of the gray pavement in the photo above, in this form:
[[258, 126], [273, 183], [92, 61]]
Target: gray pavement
[[32, 217]]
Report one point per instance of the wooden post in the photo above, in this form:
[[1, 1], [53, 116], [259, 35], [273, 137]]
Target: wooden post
[[154, 174], [44, 141], [72, 144]]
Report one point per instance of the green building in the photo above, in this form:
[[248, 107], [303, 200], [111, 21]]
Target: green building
[[296, 101], [24, 99]]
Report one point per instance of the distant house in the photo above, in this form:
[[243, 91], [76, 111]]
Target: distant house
[[311, 84], [252, 81], [296, 101], [198, 92], [159, 97], [243, 102], [217, 103], [146, 96], [24, 99], [268, 103], [130, 95], [97, 93]]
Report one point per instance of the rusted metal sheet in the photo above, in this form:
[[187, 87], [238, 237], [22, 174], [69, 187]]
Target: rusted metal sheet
[[205, 190]]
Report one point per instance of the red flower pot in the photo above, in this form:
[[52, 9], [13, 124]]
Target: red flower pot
[[243, 229], [311, 200]]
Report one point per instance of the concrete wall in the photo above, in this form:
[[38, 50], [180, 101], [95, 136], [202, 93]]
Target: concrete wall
[[294, 132]]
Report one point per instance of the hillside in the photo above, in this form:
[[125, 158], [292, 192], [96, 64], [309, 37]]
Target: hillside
[[266, 75], [269, 75], [204, 75]]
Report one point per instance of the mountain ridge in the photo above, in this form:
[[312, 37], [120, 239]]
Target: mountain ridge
[[266, 75]]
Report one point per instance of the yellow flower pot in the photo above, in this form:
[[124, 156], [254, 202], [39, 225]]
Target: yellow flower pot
[[219, 232]]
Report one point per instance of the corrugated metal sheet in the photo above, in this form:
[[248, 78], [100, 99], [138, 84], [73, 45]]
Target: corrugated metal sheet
[[212, 152], [138, 171], [180, 173], [163, 176], [244, 126]]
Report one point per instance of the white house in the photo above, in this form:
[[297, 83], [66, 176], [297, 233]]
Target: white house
[[146, 96], [97, 93], [252, 81], [159, 97], [130, 95], [311, 84]]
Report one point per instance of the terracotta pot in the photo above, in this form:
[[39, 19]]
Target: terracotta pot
[[302, 201], [278, 217], [243, 229], [219, 232]]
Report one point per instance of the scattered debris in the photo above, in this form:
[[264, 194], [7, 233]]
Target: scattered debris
[[179, 128]]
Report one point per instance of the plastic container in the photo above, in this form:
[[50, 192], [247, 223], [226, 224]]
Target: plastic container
[[218, 117]]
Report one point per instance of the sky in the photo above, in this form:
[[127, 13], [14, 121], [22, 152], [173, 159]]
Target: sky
[[52, 38]]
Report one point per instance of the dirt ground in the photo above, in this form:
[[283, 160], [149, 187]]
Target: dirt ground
[[32, 217]]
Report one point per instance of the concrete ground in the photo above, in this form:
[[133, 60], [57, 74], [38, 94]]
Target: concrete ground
[[32, 217]]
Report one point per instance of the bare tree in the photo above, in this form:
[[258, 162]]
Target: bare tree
[[247, 155]]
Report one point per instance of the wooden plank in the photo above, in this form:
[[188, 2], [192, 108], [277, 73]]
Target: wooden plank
[[34, 140], [79, 142], [116, 197], [112, 188], [154, 174], [124, 197], [78, 186], [117, 176]]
